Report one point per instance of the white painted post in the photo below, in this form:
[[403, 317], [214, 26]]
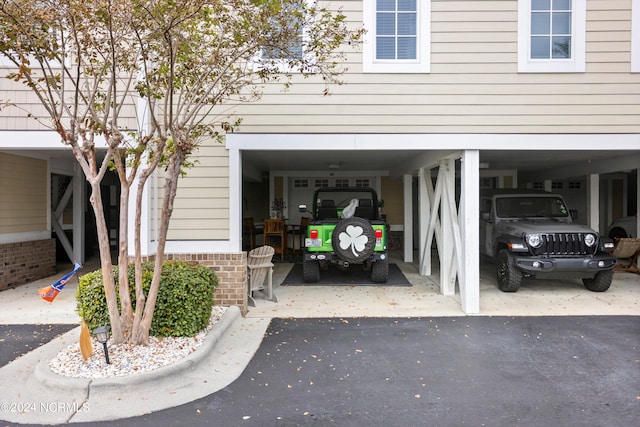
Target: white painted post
[[593, 203], [235, 200], [408, 218], [424, 216], [447, 217], [469, 277], [79, 201]]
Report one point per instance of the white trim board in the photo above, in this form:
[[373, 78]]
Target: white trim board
[[339, 142], [33, 139]]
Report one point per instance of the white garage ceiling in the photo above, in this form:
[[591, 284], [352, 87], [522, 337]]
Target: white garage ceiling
[[556, 163]]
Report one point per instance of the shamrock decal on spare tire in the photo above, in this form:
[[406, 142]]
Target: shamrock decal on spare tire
[[353, 239]]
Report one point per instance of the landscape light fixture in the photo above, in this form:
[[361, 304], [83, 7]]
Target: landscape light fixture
[[102, 335]]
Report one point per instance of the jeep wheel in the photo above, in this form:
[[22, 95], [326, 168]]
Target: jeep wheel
[[600, 282], [353, 240], [311, 271], [509, 277], [380, 271], [618, 233]]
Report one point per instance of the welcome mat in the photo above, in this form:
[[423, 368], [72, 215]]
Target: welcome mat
[[354, 276]]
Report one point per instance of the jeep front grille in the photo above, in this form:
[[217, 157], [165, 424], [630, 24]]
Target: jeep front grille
[[562, 244]]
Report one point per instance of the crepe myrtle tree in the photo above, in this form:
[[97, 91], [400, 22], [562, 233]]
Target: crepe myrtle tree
[[89, 61], [80, 61]]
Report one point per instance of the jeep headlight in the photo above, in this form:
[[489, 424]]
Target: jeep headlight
[[534, 240], [590, 240]]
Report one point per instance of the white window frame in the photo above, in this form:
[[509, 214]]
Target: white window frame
[[422, 64], [575, 64], [635, 36], [282, 64]]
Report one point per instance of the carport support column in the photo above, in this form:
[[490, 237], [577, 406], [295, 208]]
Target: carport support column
[[235, 200], [593, 201], [447, 217], [407, 181], [469, 277], [79, 201], [424, 216]]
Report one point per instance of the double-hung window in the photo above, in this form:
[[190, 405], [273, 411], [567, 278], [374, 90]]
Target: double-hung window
[[551, 36], [280, 57], [397, 38]]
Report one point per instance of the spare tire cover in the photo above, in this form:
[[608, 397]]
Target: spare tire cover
[[353, 240]]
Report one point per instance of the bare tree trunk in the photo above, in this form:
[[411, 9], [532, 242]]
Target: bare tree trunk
[[126, 309], [142, 182], [170, 188], [106, 263], [140, 298]]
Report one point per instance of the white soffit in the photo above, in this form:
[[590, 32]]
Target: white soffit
[[336, 142]]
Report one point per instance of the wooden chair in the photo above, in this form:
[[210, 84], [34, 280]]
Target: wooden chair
[[274, 230], [298, 232], [259, 268], [627, 249]]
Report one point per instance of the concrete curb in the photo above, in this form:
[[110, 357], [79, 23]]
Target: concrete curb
[[176, 369], [55, 399], [54, 382]]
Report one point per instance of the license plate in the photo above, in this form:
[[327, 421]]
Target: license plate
[[312, 243]]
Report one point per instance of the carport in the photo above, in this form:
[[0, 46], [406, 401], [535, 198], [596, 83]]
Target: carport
[[68, 192], [448, 210]]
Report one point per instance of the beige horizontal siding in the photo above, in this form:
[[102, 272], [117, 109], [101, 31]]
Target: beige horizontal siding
[[23, 194], [219, 233], [474, 86], [28, 113], [201, 208]]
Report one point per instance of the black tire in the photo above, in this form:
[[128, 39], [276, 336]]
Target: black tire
[[618, 233], [509, 277], [351, 232], [380, 271], [311, 271], [600, 282]]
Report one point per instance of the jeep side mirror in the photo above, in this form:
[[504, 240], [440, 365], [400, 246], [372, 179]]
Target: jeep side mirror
[[381, 204], [484, 216], [573, 213]]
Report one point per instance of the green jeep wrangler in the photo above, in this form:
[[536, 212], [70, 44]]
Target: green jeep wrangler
[[345, 229]]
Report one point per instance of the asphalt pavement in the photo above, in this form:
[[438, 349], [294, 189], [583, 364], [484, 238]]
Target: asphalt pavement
[[551, 354], [440, 371], [18, 340]]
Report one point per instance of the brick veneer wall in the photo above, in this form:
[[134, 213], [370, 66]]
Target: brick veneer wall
[[231, 269], [26, 261]]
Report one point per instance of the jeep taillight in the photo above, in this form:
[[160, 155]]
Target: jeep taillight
[[313, 234], [378, 233]]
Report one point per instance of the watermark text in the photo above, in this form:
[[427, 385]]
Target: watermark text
[[44, 407]]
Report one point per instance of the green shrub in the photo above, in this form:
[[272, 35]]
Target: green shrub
[[90, 300], [183, 306]]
